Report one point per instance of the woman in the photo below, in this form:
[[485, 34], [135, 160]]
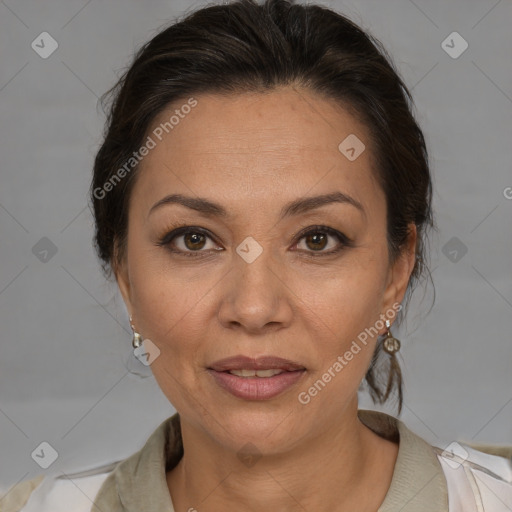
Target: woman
[[262, 197]]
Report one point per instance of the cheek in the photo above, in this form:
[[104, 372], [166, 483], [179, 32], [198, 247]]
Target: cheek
[[167, 311], [340, 315], [168, 314], [340, 325], [161, 293], [159, 302], [348, 298]]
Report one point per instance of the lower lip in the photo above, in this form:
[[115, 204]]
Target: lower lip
[[256, 388]]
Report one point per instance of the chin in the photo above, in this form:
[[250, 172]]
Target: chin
[[264, 427]]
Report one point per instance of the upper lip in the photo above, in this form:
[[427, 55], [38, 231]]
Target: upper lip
[[258, 363]]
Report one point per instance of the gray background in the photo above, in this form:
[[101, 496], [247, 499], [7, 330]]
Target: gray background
[[64, 330]]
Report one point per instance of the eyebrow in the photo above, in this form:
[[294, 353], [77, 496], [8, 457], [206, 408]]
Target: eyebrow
[[296, 207]]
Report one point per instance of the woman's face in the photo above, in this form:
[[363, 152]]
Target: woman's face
[[260, 280]]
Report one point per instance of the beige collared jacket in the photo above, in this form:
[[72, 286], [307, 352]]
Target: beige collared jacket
[[460, 478]]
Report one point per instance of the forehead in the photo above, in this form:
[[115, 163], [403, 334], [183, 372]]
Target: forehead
[[284, 143]]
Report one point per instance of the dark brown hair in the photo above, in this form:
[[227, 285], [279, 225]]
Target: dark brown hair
[[247, 47]]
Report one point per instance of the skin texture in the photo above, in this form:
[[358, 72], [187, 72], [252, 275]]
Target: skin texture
[[253, 153]]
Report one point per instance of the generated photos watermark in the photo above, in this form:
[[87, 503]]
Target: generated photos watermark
[[150, 143], [342, 361]]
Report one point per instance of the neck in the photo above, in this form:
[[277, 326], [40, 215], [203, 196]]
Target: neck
[[346, 467]]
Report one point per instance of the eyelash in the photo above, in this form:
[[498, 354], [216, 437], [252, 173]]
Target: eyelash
[[184, 229]]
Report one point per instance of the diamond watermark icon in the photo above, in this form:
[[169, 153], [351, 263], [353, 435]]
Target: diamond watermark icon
[[454, 455], [45, 455], [44, 250], [44, 45], [454, 249], [249, 455], [249, 249], [147, 352], [351, 147], [454, 45]]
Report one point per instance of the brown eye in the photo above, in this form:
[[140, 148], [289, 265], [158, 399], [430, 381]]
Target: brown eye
[[193, 240], [187, 241], [317, 241]]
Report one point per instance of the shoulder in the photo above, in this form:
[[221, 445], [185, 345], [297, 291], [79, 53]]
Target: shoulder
[[55, 493], [463, 476], [15, 498], [478, 474], [82, 489]]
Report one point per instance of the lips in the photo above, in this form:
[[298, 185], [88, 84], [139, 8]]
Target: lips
[[259, 363], [259, 378]]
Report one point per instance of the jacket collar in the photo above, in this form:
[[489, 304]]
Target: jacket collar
[[139, 482], [418, 483]]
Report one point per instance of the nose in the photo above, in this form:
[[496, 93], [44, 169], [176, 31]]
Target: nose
[[255, 296]]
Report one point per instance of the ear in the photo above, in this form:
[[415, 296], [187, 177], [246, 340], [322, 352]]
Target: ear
[[123, 281], [401, 271]]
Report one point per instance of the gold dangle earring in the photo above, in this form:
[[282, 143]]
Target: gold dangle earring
[[137, 338], [390, 344]]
